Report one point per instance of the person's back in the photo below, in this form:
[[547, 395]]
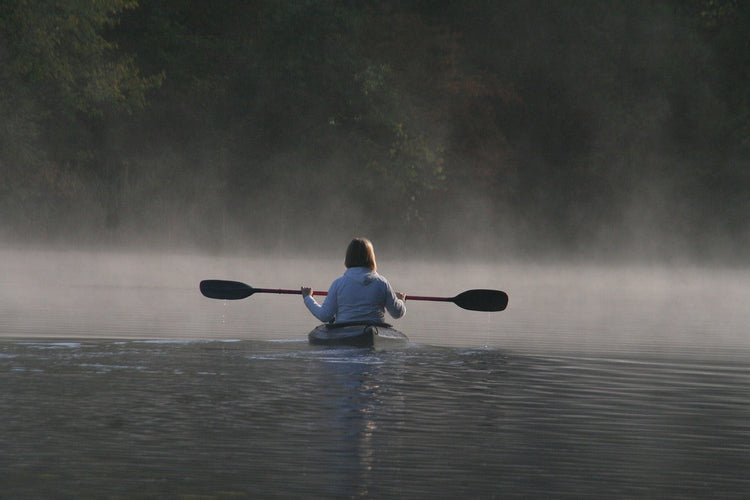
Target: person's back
[[361, 294]]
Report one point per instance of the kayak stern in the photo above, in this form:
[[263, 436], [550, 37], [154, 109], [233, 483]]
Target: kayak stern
[[356, 335]]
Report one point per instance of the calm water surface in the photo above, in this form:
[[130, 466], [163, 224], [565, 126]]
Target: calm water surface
[[119, 381]]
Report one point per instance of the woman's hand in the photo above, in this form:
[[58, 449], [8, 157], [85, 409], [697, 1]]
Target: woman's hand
[[306, 291], [401, 295]]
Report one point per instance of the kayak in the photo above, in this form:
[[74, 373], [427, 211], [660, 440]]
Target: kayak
[[357, 335]]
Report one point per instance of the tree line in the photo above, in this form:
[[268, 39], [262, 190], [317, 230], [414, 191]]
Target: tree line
[[594, 126]]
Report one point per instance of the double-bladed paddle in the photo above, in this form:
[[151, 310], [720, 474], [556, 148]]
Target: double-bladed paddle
[[473, 300]]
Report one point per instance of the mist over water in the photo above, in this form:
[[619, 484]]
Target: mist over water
[[553, 307]]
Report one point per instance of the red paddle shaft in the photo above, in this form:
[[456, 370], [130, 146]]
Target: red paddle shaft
[[433, 299], [285, 291], [317, 292]]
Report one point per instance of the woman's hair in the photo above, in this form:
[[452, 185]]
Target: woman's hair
[[360, 254]]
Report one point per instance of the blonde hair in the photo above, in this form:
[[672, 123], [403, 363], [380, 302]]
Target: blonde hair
[[360, 253]]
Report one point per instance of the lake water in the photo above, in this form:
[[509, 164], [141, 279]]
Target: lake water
[[119, 380]]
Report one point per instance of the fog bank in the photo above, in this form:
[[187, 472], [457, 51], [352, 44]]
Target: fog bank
[[574, 309]]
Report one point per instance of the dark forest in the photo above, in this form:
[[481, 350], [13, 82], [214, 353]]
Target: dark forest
[[571, 129]]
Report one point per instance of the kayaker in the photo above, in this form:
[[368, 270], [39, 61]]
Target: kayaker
[[361, 294]]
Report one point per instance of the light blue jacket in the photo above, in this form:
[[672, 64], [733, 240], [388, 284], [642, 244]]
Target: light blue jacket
[[359, 295]]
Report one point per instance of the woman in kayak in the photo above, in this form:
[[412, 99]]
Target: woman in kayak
[[361, 294]]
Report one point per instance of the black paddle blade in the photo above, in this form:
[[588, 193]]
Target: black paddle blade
[[227, 290], [482, 300]]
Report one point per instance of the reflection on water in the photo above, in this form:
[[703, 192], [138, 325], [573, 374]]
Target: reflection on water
[[119, 380], [99, 418]]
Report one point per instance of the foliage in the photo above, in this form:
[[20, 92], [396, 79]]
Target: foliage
[[57, 49], [559, 121], [62, 78]]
